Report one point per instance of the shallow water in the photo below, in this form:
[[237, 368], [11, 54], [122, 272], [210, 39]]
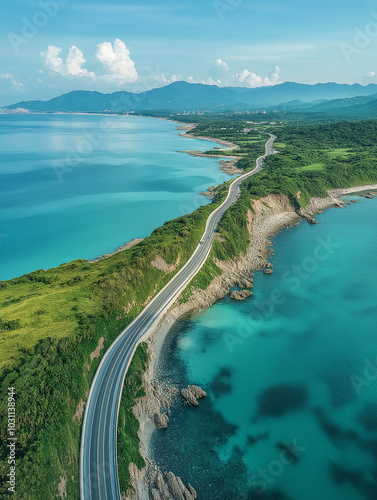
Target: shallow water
[[291, 374], [79, 186]]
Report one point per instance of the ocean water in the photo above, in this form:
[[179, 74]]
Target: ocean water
[[291, 374], [80, 186]]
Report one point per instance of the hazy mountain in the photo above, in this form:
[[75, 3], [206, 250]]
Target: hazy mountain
[[182, 96]]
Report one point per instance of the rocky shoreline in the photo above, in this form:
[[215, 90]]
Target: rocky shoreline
[[271, 214]]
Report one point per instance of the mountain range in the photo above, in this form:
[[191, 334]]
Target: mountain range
[[178, 97]]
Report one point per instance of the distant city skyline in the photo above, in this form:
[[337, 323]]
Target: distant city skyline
[[50, 47]]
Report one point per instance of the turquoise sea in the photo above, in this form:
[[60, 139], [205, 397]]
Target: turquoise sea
[[80, 186], [291, 374]]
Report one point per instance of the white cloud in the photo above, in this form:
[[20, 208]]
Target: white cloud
[[222, 64], [220, 75], [8, 76], [72, 65], [212, 81], [116, 58], [253, 80]]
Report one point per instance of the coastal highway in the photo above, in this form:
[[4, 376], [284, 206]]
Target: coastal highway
[[98, 451]]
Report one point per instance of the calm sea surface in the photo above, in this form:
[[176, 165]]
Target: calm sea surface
[[79, 186], [291, 374]]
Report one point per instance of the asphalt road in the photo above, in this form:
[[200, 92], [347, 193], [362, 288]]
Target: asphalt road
[[98, 453]]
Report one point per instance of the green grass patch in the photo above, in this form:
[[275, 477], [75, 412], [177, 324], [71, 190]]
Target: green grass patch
[[339, 152], [314, 166]]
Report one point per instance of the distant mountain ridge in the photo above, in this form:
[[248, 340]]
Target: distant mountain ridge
[[182, 96]]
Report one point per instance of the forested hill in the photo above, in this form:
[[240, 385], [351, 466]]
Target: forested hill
[[183, 96]]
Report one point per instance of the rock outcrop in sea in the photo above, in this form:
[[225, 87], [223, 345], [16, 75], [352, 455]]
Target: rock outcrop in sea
[[191, 394], [170, 487], [240, 295], [161, 420]]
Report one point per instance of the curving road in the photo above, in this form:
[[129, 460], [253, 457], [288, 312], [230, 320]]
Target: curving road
[[98, 452]]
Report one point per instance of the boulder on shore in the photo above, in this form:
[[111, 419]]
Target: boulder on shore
[[191, 395], [161, 420], [312, 220]]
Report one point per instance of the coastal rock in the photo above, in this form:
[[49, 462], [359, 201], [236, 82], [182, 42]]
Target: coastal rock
[[244, 282], [178, 489], [211, 192], [267, 271], [155, 495], [192, 491], [242, 295], [161, 420], [354, 201], [169, 487], [269, 265], [191, 395], [311, 220], [160, 482]]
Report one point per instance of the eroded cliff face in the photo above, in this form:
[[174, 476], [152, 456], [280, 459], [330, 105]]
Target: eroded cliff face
[[269, 215]]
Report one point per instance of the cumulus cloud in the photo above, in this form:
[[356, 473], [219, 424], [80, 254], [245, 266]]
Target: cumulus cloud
[[222, 64], [221, 75], [218, 73], [72, 66], [117, 60], [11, 78], [253, 80]]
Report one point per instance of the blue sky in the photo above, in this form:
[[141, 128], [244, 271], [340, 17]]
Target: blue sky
[[48, 47]]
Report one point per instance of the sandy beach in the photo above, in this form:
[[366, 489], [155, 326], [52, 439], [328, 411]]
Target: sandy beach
[[272, 214]]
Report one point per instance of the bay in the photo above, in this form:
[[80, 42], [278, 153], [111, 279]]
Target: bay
[[80, 186]]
